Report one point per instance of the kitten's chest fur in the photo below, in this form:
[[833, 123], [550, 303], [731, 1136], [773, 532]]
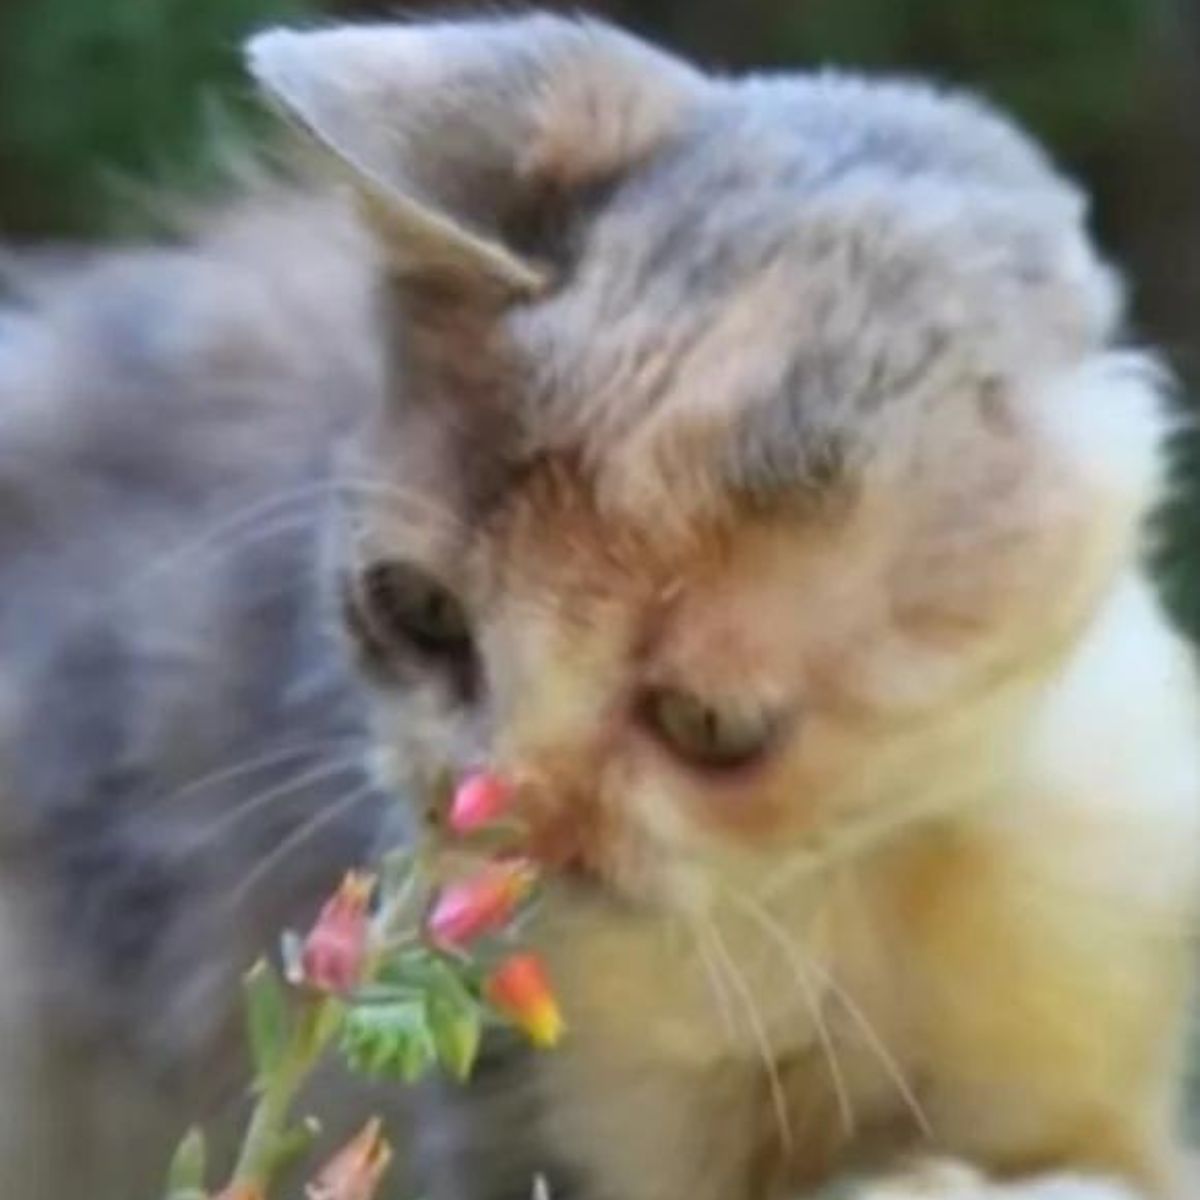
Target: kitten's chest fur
[[785, 1029]]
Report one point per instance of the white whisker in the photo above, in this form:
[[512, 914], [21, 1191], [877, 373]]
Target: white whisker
[[759, 1030], [792, 955], [886, 1058], [233, 540], [254, 521], [297, 838], [716, 985], [230, 524], [325, 770], [234, 771]]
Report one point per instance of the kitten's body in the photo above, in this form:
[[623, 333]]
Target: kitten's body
[[955, 918]]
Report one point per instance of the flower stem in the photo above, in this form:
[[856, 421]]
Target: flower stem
[[266, 1136]]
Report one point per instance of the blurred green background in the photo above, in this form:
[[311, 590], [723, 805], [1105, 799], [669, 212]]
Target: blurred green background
[[103, 100]]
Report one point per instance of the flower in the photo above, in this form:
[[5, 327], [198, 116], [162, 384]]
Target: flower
[[518, 988], [480, 799], [481, 904], [334, 953], [242, 1191], [354, 1172]]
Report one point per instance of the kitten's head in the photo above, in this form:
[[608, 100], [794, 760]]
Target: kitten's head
[[754, 448]]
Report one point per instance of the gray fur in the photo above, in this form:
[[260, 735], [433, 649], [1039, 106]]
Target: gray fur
[[166, 441], [919, 243], [922, 248]]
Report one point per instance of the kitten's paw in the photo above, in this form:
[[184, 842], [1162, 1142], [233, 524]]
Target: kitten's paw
[[930, 1181], [956, 1181]]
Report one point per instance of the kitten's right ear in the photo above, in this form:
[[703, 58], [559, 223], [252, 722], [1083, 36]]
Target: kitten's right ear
[[454, 134]]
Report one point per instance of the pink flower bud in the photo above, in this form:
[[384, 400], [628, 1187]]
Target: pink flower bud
[[335, 952], [480, 799], [355, 1171], [467, 910]]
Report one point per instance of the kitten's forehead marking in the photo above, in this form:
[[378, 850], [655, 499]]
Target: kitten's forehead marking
[[809, 274], [804, 255]]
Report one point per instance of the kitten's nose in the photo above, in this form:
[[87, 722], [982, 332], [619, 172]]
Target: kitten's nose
[[562, 827], [556, 827]]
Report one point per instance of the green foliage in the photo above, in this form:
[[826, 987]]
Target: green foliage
[[456, 1030], [1177, 548], [419, 1015], [134, 89], [1071, 68], [390, 1038]]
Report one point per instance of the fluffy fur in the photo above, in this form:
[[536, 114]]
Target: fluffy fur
[[802, 395]]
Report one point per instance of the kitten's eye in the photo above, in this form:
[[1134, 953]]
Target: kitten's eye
[[404, 603], [705, 734]]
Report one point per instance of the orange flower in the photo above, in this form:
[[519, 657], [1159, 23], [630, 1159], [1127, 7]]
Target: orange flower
[[242, 1191], [335, 951], [354, 1172], [519, 989], [465, 911], [480, 799]]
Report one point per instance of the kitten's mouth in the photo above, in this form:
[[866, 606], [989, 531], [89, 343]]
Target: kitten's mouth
[[583, 891], [582, 882], [478, 814], [581, 874]]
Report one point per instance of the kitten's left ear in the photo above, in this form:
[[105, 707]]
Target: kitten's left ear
[[455, 134]]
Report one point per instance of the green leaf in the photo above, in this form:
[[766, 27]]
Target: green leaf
[[385, 993], [267, 1018], [417, 1055], [294, 1144], [448, 982], [327, 1019], [424, 1015], [457, 1030], [426, 969], [185, 1176], [389, 1039], [455, 1016]]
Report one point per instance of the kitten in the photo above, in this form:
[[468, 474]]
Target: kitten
[[749, 469]]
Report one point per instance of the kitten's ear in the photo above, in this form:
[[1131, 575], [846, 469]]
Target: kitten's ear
[[455, 133]]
